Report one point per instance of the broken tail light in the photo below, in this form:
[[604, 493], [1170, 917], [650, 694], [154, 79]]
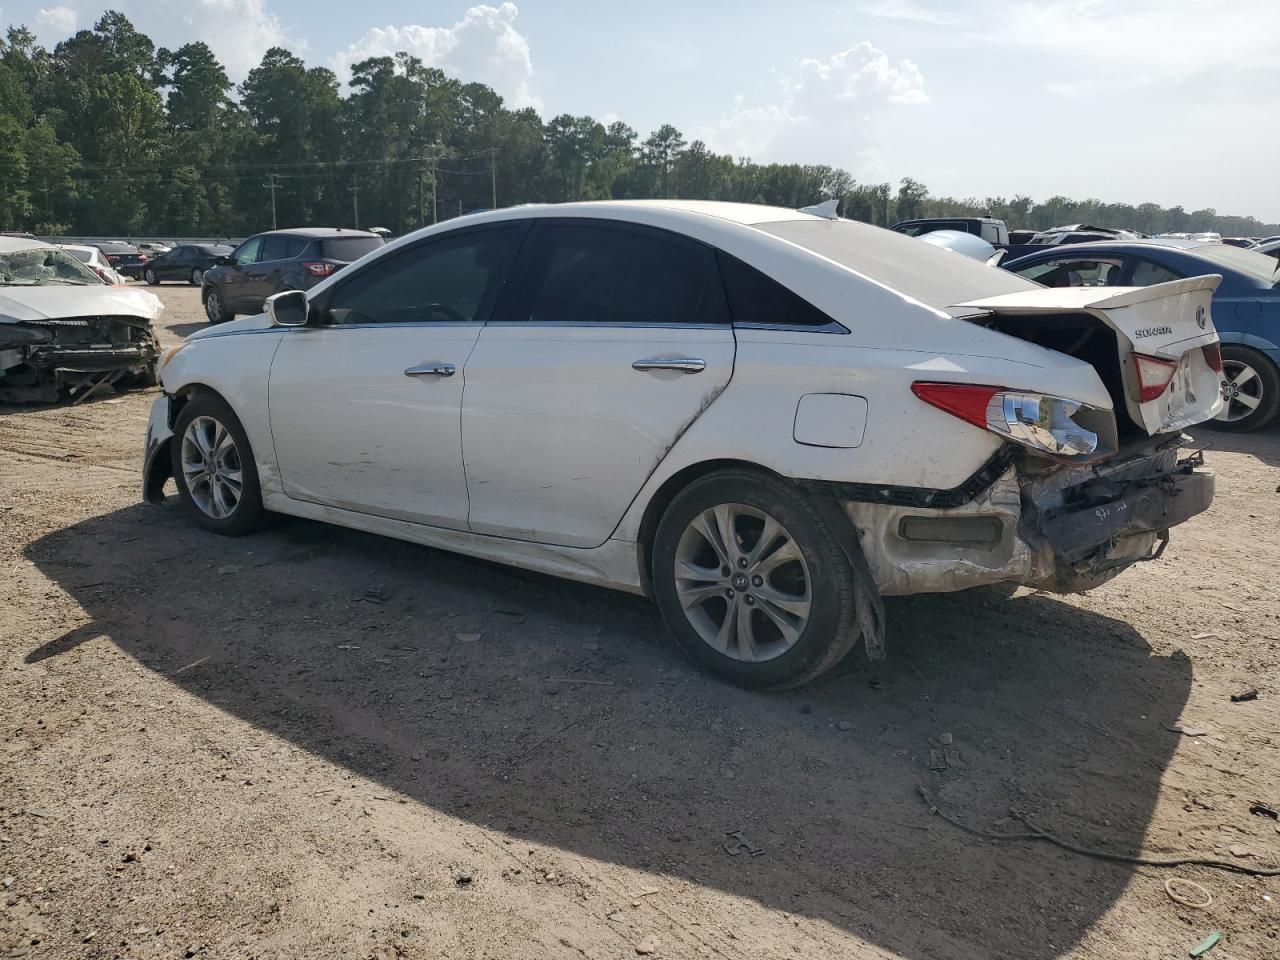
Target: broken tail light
[[1213, 356], [318, 268], [1154, 375], [1035, 420]]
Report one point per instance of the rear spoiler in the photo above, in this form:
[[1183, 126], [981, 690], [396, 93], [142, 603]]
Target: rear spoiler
[[1055, 299]]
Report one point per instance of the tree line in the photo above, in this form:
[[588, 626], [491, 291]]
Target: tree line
[[108, 134]]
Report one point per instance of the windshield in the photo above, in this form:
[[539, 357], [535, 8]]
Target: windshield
[[1257, 265], [348, 248], [40, 266], [934, 276]]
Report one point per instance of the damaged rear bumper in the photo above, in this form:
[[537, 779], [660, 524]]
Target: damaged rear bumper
[[1060, 529]]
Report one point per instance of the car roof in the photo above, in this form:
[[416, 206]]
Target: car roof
[[316, 232], [79, 246], [14, 244]]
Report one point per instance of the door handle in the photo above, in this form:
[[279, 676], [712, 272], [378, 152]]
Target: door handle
[[683, 364], [432, 370]]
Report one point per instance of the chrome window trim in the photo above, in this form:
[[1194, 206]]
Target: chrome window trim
[[826, 328]]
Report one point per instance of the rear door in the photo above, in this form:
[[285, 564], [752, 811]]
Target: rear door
[[173, 265], [615, 340], [365, 409], [262, 278]]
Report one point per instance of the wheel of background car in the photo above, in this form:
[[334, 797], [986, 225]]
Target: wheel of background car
[[213, 467], [1250, 389], [214, 307], [197, 276], [752, 582], [150, 275]]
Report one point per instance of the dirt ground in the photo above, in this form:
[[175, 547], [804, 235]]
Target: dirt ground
[[317, 743]]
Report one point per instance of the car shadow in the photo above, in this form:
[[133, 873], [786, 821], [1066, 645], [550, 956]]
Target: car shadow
[[562, 714], [185, 330]]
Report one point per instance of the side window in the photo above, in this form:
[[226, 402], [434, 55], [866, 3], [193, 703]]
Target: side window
[[1075, 272], [294, 246], [452, 279], [247, 252], [761, 301], [1146, 273], [588, 273], [274, 247]]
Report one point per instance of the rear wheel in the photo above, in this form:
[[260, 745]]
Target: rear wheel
[[215, 307], [752, 582], [214, 469], [1250, 389], [151, 277]]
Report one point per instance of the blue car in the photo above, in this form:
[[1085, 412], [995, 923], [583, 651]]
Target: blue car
[[1246, 307]]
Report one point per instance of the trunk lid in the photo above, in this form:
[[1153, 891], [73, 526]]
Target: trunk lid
[[1170, 323]]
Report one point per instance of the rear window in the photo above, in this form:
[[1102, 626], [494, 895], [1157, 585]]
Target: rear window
[[755, 299], [215, 250], [936, 277], [1257, 265], [348, 248]]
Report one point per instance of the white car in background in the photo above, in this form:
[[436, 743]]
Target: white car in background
[[765, 419], [64, 333], [92, 258]]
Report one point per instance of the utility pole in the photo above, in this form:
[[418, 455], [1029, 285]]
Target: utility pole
[[493, 177], [273, 181], [422, 209], [355, 201], [435, 169]]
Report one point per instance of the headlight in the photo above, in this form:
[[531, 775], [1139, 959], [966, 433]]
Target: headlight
[[1044, 423]]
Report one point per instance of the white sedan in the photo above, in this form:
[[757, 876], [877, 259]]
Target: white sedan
[[765, 419]]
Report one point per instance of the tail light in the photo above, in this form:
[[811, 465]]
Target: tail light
[[1154, 375], [1035, 420], [1213, 356], [318, 268], [113, 258], [142, 258]]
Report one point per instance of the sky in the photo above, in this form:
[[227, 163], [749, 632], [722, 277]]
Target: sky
[[1167, 101]]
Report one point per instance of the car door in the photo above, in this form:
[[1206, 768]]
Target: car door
[[617, 337], [233, 278], [174, 264], [365, 406], [262, 278]]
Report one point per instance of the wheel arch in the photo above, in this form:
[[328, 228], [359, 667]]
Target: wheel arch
[[662, 498]]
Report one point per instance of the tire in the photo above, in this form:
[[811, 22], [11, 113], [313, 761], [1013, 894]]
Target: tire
[[151, 277], [803, 566], [197, 277], [1251, 387], [206, 423], [215, 308]]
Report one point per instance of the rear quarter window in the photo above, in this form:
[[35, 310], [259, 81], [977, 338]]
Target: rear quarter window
[[348, 248]]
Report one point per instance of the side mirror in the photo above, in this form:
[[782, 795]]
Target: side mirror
[[222, 261], [287, 309]]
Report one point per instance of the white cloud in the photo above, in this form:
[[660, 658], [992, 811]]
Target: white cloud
[[483, 46], [906, 10], [1142, 42], [827, 111], [238, 31], [55, 23]]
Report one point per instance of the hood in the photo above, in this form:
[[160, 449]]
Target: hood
[[19, 304], [257, 322]]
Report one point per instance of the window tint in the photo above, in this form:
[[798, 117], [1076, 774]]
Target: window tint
[[1075, 272], [583, 273], [348, 248], [757, 299], [1146, 273], [274, 248], [920, 229], [454, 278], [247, 252]]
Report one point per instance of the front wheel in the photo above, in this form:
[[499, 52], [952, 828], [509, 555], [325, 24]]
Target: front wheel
[[213, 468], [215, 308], [197, 276], [752, 582], [1250, 389]]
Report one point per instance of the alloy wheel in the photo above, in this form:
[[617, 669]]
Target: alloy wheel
[[743, 582], [212, 468], [213, 306], [1241, 390], [197, 277]]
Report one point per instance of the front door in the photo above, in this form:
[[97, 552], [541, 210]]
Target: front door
[[234, 279], [365, 406], [617, 339]]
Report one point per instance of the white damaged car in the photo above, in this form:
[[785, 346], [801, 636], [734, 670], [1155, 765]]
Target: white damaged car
[[764, 419], [64, 332]]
